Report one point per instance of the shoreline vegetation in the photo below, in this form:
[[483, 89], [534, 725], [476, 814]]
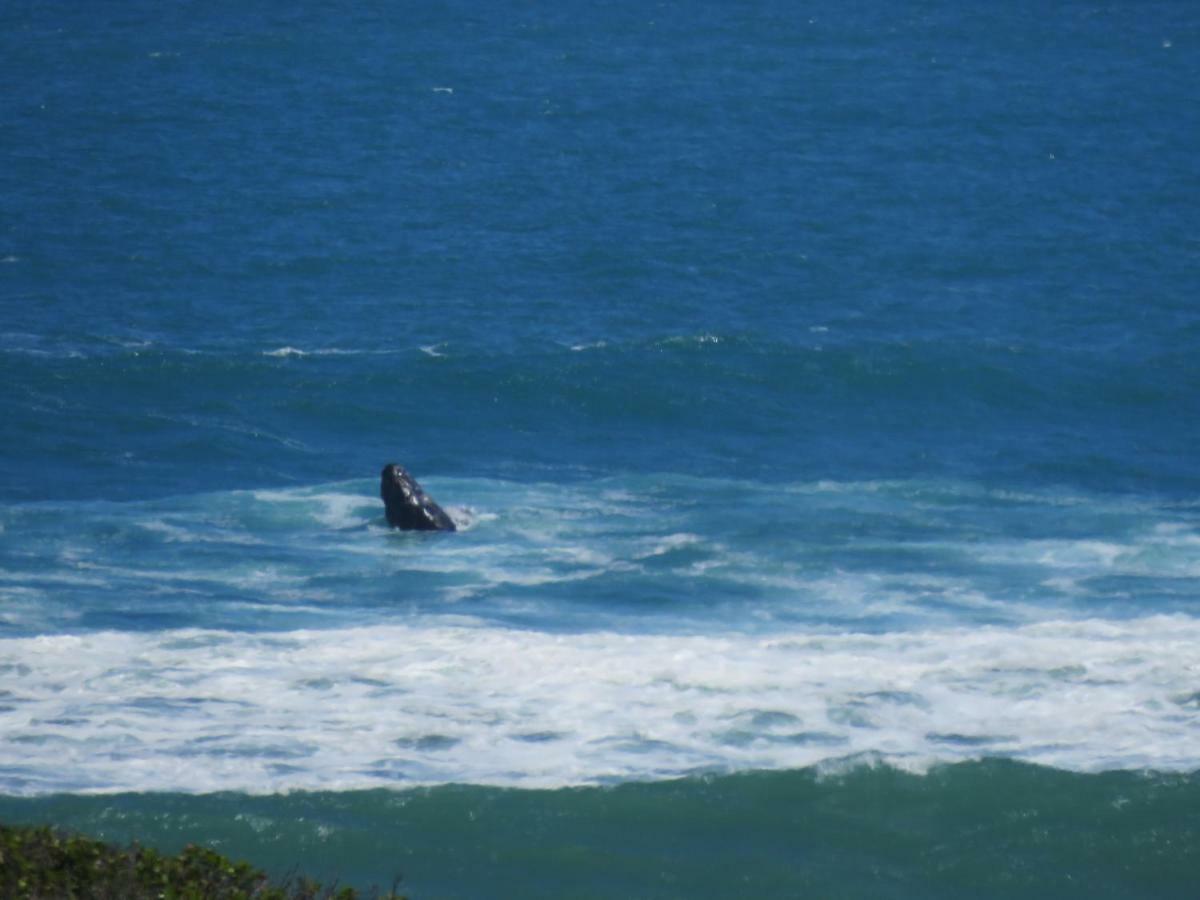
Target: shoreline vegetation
[[44, 863]]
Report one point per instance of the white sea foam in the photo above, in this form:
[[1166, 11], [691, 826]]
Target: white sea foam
[[426, 704], [467, 517], [337, 510], [530, 546], [981, 654], [691, 340], [58, 353], [325, 351], [1168, 550], [186, 533], [660, 546]]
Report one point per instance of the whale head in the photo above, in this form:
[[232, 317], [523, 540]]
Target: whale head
[[407, 506]]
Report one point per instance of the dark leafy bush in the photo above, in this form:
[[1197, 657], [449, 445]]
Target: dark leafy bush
[[39, 863]]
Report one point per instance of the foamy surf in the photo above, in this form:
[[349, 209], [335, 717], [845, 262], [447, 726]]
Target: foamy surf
[[403, 705], [630, 554]]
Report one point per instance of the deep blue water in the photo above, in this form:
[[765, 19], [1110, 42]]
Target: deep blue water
[[817, 385]]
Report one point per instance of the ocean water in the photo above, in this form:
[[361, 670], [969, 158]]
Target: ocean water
[[816, 386]]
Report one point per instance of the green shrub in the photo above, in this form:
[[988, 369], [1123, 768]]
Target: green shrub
[[40, 863]]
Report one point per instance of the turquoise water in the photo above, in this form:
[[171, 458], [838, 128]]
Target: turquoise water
[[816, 388], [990, 829]]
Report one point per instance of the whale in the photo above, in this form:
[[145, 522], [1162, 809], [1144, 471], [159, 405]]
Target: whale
[[407, 506]]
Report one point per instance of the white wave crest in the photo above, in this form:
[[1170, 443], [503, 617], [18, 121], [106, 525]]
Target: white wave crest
[[426, 704]]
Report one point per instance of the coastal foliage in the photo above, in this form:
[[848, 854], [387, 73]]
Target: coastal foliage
[[40, 863]]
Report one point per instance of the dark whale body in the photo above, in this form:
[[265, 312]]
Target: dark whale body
[[407, 506]]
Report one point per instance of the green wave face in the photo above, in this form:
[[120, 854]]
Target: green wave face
[[982, 829]]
